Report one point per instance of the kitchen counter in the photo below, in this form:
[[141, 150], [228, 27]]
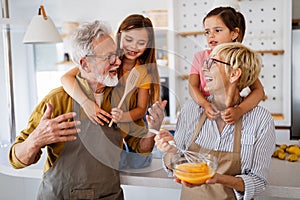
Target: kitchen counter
[[284, 181]]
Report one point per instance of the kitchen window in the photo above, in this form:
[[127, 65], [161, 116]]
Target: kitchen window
[[49, 67]]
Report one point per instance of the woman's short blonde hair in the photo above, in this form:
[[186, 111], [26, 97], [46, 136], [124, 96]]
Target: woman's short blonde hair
[[240, 56]]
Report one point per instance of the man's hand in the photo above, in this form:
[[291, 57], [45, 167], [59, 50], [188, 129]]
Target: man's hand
[[156, 115], [47, 132], [54, 130]]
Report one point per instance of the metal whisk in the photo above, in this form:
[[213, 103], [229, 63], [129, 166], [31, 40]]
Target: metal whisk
[[190, 156]]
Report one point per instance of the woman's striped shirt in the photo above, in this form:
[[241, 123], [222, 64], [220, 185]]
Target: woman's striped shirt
[[257, 142]]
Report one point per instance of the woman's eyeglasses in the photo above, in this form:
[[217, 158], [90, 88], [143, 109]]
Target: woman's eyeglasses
[[209, 62]]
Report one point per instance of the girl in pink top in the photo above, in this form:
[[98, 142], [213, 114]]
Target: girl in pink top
[[222, 25], [196, 69]]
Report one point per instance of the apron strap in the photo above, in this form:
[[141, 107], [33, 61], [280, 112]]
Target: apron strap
[[237, 135], [198, 128]]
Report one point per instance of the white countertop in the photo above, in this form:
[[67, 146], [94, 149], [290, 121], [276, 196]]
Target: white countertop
[[284, 181]]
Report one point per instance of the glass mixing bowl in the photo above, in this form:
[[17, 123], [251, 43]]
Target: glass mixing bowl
[[198, 171]]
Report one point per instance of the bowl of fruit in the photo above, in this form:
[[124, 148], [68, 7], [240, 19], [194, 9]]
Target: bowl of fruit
[[196, 170]]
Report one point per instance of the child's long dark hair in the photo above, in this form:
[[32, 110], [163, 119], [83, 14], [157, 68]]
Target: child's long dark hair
[[231, 18], [137, 21]]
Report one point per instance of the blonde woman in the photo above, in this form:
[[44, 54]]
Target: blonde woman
[[243, 162]]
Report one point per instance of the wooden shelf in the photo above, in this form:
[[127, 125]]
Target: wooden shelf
[[277, 116], [296, 21], [274, 52], [184, 34], [184, 77], [65, 63]]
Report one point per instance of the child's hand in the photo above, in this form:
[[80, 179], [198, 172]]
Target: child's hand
[[211, 111], [231, 115], [95, 113], [117, 115]]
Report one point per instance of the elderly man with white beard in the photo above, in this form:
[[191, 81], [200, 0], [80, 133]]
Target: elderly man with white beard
[[82, 158]]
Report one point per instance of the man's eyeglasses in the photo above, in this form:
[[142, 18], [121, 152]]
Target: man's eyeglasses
[[209, 62], [111, 58]]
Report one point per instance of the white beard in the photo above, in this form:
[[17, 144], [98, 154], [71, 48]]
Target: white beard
[[108, 80]]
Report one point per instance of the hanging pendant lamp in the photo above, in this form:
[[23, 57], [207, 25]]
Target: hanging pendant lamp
[[41, 30]]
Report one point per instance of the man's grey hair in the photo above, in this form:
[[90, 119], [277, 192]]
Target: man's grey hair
[[83, 37]]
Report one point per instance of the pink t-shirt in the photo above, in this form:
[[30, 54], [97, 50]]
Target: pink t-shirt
[[196, 68]]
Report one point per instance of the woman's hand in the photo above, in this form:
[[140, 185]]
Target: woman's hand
[[189, 185], [95, 113], [212, 180], [162, 142]]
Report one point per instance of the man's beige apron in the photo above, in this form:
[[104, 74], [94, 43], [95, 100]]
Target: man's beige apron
[[86, 167], [229, 163]]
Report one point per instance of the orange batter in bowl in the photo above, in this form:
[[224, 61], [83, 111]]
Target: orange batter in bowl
[[195, 173]]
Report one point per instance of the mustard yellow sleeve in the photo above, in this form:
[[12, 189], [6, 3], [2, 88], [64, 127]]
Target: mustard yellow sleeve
[[23, 135], [61, 103], [145, 84], [15, 162]]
